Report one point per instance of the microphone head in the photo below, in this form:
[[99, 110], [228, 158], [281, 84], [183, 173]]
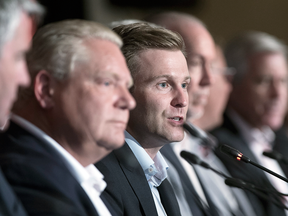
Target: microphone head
[[276, 156], [234, 153], [191, 158], [194, 159], [232, 182]]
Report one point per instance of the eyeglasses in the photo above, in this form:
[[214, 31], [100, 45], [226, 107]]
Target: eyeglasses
[[226, 71]]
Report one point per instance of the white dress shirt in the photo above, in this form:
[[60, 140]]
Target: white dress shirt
[[90, 179], [155, 170], [185, 145]]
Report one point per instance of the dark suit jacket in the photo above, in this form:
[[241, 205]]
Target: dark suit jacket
[[281, 146], [9, 203], [191, 195], [228, 134], [127, 188], [39, 177]]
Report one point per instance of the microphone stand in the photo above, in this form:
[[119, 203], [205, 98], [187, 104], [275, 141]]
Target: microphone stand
[[234, 153], [233, 182]]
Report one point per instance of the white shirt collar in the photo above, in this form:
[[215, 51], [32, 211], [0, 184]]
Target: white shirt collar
[[80, 173], [152, 168]]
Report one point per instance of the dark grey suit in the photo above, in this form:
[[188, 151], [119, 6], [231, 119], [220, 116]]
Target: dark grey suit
[[127, 188], [228, 134], [39, 176], [9, 203]]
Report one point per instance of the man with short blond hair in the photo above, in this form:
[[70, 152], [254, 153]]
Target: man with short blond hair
[[136, 173]]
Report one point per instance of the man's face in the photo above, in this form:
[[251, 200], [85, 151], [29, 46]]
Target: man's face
[[13, 70], [160, 90], [200, 58], [95, 100], [261, 96], [219, 94]]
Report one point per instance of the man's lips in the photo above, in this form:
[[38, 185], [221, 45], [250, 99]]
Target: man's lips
[[176, 120], [119, 123]]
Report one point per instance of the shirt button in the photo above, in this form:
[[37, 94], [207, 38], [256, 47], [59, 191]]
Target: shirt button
[[150, 169]]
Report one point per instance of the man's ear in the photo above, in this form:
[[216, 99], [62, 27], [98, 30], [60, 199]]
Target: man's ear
[[44, 85]]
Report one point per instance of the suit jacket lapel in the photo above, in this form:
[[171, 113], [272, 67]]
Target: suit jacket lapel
[[168, 199], [190, 193], [37, 147], [136, 177], [9, 203]]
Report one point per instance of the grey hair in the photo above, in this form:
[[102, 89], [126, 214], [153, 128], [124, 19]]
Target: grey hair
[[10, 12], [57, 47], [240, 49]]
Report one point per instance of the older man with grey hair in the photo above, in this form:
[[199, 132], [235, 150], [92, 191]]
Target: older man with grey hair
[[16, 27], [256, 107], [15, 35], [73, 114]]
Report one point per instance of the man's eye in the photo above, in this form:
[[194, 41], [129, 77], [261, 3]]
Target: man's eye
[[163, 85], [107, 83], [184, 85]]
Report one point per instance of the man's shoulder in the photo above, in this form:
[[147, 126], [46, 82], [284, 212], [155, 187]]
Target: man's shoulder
[[118, 161], [38, 175]]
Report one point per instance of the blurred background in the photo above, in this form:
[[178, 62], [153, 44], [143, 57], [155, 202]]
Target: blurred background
[[224, 18]]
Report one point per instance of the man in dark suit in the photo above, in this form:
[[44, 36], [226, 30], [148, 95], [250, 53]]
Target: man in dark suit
[[136, 173], [73, 114], [15, 36], [256, 107], [205, 188]]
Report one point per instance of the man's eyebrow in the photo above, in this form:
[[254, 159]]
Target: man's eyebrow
[[161, 76], [115, 76], [187, 78]]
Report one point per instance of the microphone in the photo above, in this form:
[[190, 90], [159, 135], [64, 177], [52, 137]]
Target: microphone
[[194, 159], [233, 182], [206, 139], [276, 156], [234, 153]]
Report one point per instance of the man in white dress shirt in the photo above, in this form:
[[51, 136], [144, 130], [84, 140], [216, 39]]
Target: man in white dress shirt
[[256, 107], [73, 114]]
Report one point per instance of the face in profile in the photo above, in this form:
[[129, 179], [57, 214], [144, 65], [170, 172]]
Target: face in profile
[[261, 95], [160, 91], [200, 58], [219, 93], [95, 99], [13, 69]]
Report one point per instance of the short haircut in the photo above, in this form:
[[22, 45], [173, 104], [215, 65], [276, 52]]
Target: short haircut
[[138, 37], [10, 11], [58, 46], [241, 48]]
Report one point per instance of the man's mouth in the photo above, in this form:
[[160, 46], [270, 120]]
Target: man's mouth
[[177, 119]]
